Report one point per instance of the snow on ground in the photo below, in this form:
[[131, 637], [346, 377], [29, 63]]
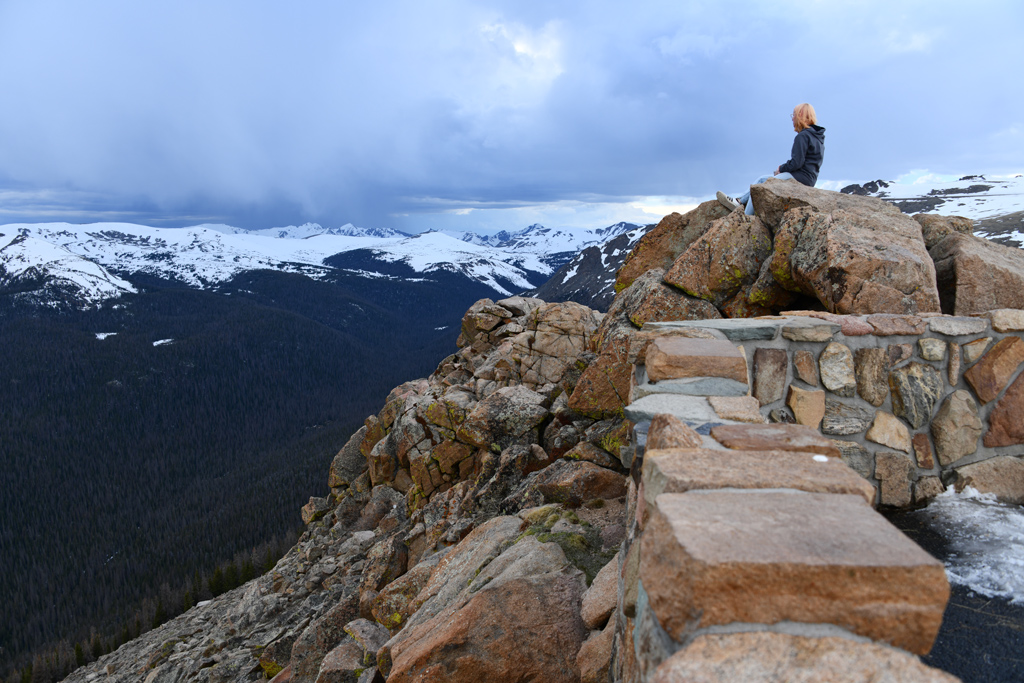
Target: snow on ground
[[103, 335], [976, 197], [986, 542], [161, 342]]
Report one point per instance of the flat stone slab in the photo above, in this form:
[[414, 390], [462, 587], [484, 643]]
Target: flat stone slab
[[809, 330], [678, 470], [734, 329], [686, 408], [774, 437], [957, 326], [681, 357], [692, 386], [763, 557], [770, 657]]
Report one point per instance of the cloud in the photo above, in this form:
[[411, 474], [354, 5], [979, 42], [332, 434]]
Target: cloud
[[409, 114]]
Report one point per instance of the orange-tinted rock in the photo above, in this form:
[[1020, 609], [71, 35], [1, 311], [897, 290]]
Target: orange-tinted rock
[[681, 470], [595, 656], [890, 325], [668, 431], [394, 604], [603, 388], [854, 254], [660, 247], [738, 408], [1006, 421], [574, 482], [894, 472], [809, 557], [973, 350], [724, 260], [935, 228], [899, 353], [600, 598], [680, 357], [806, 368], [776, 657], [808, 406], [889, 431], [770, 367], [953, 369], [956, 427], [990, 375], [975, 275], [780, 437], [649, 299], [923, 451], [1002, 476]]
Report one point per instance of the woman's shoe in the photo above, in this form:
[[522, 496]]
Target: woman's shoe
[[727, 201]]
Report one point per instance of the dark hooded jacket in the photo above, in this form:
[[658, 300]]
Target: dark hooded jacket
[[808, 153]]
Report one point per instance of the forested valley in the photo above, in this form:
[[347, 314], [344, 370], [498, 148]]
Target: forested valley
[[167, 462]]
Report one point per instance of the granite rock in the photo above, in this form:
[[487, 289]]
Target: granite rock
[[956, 427], [915, 388], [836, 365], [872, 375]]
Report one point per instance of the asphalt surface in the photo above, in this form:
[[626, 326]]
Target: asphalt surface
[[981, 639]]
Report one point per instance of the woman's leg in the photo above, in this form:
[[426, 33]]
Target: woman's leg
[[745, 199]]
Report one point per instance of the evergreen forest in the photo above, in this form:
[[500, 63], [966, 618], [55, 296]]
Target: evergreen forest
[[167, 461]]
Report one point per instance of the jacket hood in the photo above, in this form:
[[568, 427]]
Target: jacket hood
[[817, 131]]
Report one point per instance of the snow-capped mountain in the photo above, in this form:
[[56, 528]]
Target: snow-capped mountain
[[995, 203], [43, 273], [96, 258]]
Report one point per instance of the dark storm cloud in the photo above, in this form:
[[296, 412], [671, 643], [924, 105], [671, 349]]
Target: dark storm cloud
[[259, 113]]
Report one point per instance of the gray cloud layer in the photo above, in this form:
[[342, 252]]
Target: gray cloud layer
[[260, 113]]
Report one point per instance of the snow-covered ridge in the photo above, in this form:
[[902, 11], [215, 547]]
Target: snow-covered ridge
[[977, 197], [86, 256]]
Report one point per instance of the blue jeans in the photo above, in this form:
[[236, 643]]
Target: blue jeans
[[745, 198]]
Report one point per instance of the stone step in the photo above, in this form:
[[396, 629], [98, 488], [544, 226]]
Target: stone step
[[691, 386], [693, 410], [681, 357], [774, 437], [679, 470], [714, 558]]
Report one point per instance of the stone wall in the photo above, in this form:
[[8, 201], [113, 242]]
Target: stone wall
[[760, 449], [913, 403]]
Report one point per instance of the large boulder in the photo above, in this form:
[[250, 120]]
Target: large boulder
[[854, 254], [649, 299], [556, 335], [935, 228], [975, 275], [349, 463], [511, 415], [496, 611], [660, 247], [724, 260]]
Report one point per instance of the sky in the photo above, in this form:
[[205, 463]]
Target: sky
[[485, 115]]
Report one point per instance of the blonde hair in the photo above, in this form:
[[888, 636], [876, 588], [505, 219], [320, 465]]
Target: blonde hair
[[803, 116]]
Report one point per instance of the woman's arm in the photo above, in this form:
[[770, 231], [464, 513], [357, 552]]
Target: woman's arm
[[798, 155]]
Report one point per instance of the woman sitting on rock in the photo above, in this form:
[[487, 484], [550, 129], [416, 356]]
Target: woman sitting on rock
[[804, 162]]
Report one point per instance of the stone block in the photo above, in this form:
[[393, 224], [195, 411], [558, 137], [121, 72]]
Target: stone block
[[953, 369], [668, 431], [738, 408], [1006, 421], [836, 365], [734, 329], [1002, 476], [679, 357], [804, 330], [973, 350], [872, 379], [766, 657], [990, 375], [899, 353], [889, 431], [805, 367], [788, 557], [956, 327], [927, 488], [775, 437], [681, 470], [842, 419], [932, 349], [1007, 319], [923, 451], [915, 388], [599, 600], [957, 427], [894, 472], [808, 406], [887, 325], [770, 366], [692, 386], [858, 458], [686, 408]]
